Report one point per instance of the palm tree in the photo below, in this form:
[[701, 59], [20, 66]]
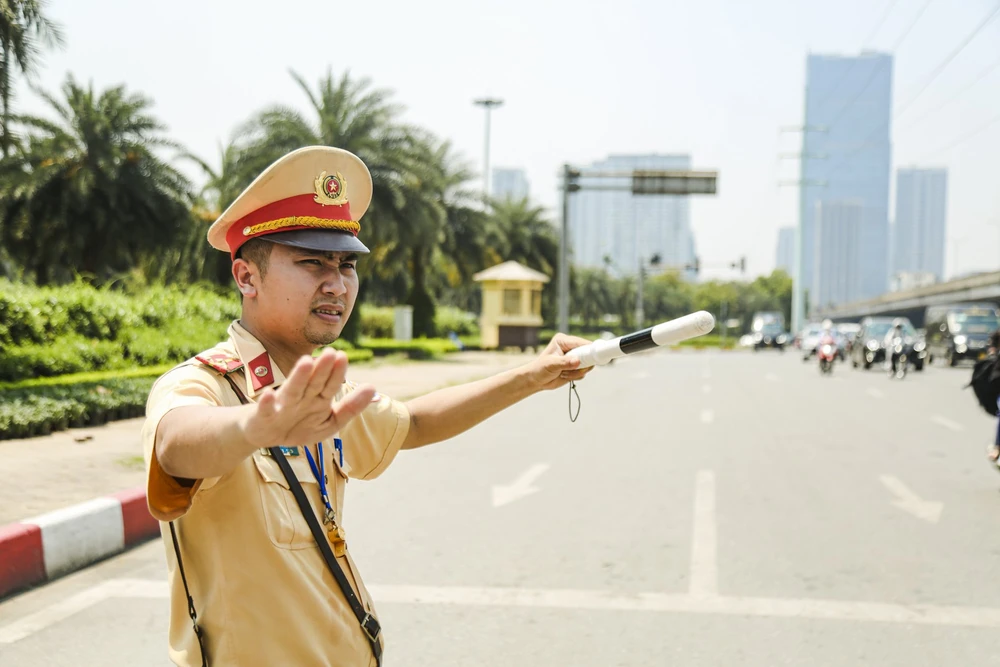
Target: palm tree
[[593, 295], [193, 261], [23, 26], [88, 192], [520, 231]]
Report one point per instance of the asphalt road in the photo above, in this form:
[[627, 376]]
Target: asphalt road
[[705, 509]]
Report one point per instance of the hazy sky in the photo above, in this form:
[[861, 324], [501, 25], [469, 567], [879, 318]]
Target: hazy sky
[[712, 78]]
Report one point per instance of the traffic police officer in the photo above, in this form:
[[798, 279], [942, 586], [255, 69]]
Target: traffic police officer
[[233, 435]]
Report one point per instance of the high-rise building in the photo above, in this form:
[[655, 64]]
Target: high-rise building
[[838, 252], [918, 234], [627, 229], [509, 183], [847, 157], [785, 255]]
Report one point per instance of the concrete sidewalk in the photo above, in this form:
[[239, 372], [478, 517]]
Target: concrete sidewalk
[[49, 473]]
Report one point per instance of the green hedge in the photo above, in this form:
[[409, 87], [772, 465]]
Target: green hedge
[[40, 406], [379, 321], [421, 348], [52, 331], [40, 410]]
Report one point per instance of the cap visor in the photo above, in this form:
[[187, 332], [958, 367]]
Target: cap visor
[[319, 239]]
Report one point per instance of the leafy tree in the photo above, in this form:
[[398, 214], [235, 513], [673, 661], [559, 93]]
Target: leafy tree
[[24, 28], [88, 193]]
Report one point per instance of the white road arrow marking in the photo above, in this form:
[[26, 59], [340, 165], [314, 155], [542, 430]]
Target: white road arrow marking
[[908, 501], [875, 393], [706, 389], [521, 487], [947, 423], [771, 377], [707, 416]]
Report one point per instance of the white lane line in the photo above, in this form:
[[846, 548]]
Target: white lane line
[[706, 374], [704, 545], [706, 389], [833, 610], [641, 375], [55, 613], [910, 502], [947, 423], [830, 610], [771, 377], [520, 487], [875, 393], [707, 416]]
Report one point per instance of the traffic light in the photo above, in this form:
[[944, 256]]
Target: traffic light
[[741, 265], [572, 177]]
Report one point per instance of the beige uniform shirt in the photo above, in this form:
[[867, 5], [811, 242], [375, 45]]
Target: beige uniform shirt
[[263, 593]]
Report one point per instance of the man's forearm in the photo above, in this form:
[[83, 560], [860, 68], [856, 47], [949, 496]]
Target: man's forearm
[[445, 413], [199, 442]]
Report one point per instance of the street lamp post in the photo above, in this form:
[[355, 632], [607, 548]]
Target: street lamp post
[[488, 103]]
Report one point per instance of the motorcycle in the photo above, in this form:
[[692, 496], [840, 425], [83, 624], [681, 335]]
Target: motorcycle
[[827, 354], [897, 358]]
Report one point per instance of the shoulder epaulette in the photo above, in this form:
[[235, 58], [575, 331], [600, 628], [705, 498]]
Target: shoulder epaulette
[[220, 361]]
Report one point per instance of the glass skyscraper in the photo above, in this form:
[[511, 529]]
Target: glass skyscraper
[[509, 183], [847, 157], [919, 231]]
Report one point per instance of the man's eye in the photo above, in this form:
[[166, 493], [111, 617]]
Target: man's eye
[[314, 262], [348, 266]]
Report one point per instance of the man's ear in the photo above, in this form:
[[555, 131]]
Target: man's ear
[[246, 276]]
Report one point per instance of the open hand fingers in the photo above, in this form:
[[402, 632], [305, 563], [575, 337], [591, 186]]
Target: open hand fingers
[[294, 388], [351, 405], [322, 368], [338, 373], [577, 374]]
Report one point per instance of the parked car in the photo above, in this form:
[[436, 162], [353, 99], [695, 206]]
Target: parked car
[[960, 331]]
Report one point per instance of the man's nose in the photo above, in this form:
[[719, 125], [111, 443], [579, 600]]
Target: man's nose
[[334, 284]]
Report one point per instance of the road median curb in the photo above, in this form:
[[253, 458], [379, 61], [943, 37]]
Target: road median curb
[[51, 545]]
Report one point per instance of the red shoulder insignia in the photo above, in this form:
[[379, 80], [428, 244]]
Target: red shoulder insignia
[[220, 361], [260, 372]]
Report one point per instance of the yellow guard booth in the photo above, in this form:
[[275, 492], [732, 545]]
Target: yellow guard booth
[[512, 306]]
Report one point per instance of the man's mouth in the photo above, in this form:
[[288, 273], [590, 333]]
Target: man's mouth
[[329, 313]]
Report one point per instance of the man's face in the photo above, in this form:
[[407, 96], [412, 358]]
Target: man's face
[[306, 296]]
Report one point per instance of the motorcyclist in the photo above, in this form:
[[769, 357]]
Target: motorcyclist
[[894, 335], [827, 337], [994, 451]]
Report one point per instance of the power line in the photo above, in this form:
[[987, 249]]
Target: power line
[[885, 15], [934, 74], [879, 66], [940, 68], [864, 44], [968, 136], [986, 72]]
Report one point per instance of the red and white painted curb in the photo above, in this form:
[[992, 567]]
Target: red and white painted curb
[[60, 542]]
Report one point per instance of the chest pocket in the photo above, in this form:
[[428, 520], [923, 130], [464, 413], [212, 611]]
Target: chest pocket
[[286, 527]]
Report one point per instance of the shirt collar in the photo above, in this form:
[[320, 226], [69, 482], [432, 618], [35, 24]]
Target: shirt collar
[[260, 371]]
